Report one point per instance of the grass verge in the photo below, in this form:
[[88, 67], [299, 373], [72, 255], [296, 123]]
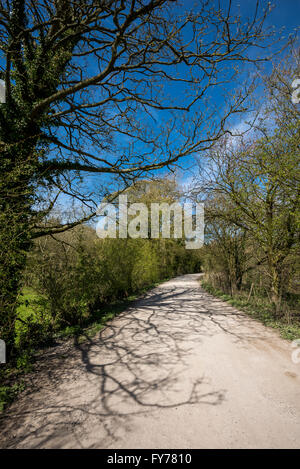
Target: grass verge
[[260, 310]]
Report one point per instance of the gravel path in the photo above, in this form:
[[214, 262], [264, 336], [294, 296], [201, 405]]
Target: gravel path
[[179, 369]]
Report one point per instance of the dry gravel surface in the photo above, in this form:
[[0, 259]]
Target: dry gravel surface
[[178, 369]]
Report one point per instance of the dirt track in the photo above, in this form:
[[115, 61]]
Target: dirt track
[[179, 369]]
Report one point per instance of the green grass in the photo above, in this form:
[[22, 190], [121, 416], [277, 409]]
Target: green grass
[[33, 308], [8, 394], [259, 309]]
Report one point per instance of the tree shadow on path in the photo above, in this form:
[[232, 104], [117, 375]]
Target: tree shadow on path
[[140, 364]]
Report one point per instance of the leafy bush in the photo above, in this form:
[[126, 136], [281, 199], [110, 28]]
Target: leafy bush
[[8, 394]]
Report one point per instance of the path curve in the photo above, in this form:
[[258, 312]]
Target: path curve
[[179, 369]]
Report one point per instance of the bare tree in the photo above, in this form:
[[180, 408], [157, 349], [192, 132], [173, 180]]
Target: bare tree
[[87, 81]]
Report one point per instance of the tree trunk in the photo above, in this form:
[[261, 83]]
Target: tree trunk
[[275, 285]]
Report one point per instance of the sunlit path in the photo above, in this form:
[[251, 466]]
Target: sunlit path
[[179, 369]]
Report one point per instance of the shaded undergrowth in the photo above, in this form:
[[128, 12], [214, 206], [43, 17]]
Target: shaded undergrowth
[[260, 309]]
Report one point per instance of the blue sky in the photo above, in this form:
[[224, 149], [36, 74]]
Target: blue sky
[[283, 18], [285, 14]]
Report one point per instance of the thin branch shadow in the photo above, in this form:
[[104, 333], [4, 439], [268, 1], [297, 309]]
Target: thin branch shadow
[[138, 364]]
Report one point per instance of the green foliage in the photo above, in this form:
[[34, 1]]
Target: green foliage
[[77, 281], [253, 206], [8, 394]]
